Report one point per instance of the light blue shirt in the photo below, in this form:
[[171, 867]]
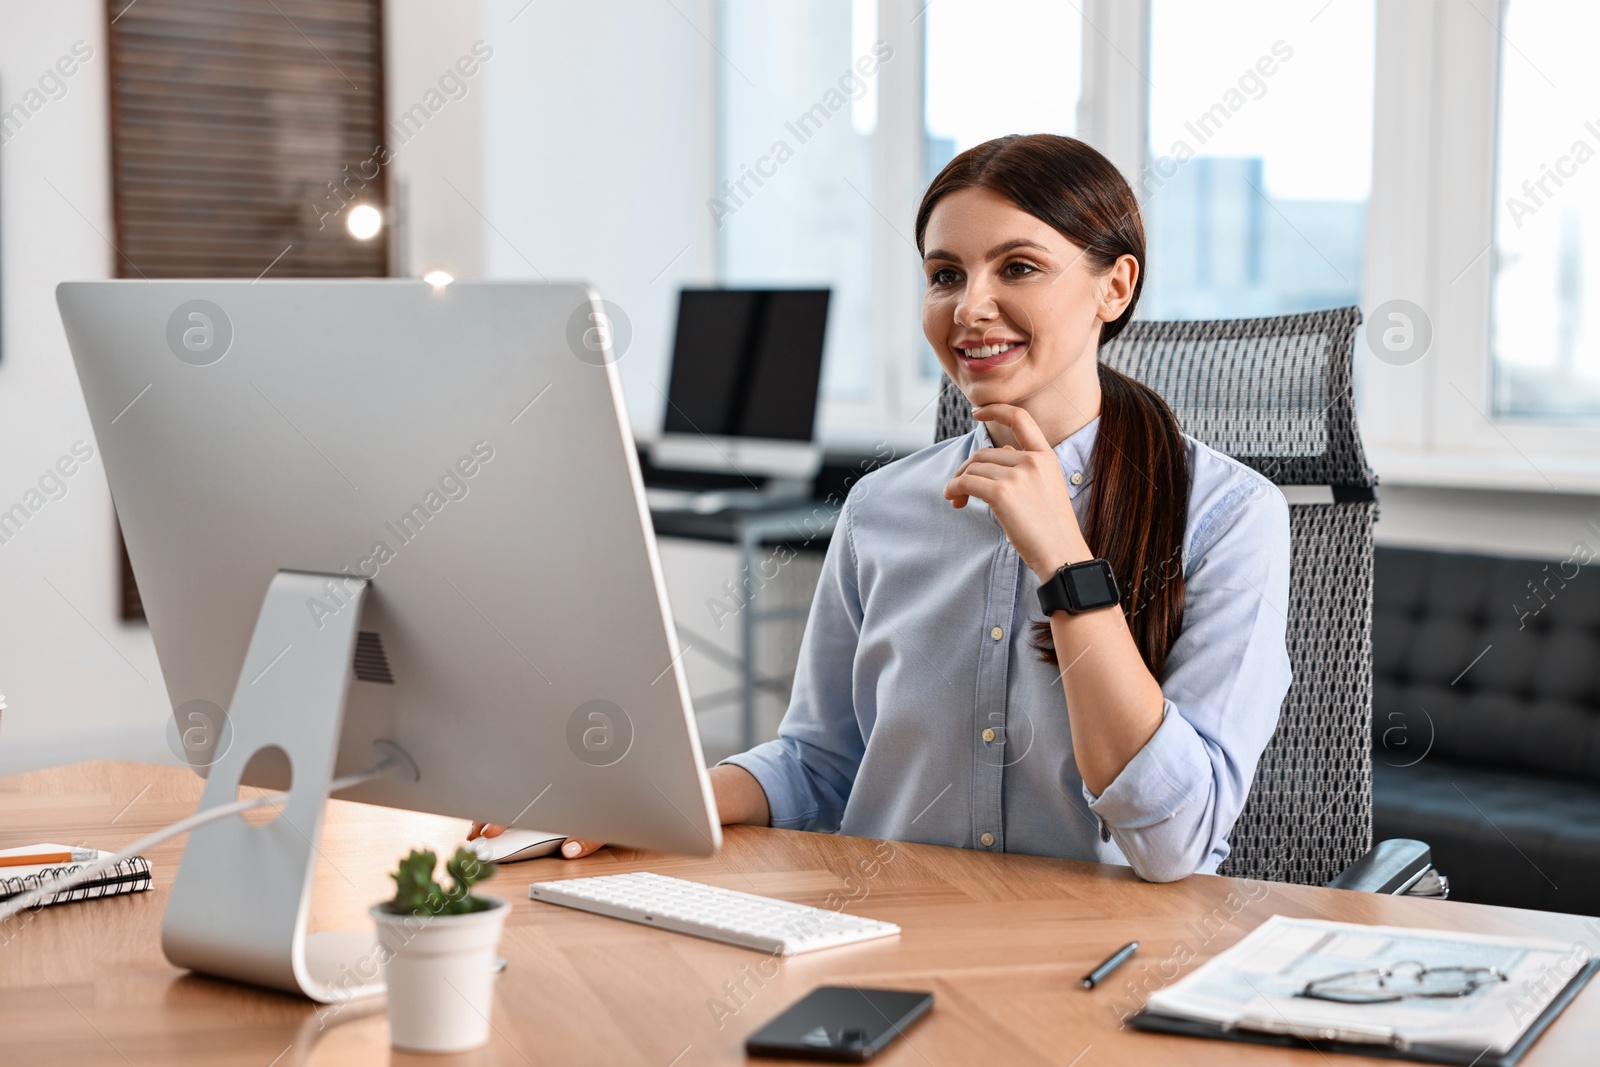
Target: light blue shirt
[[918, 642]]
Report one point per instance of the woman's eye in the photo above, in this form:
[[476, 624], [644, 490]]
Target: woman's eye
[[1019, 269], [942, 276]]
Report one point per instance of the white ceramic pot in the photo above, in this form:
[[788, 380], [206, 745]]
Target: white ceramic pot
[[439, 971]]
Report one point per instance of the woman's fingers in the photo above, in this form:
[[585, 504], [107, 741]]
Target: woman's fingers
[[1005, 457], [961, 490], [576, 848], [1018, 421], [992, 471], [485, 829], [979, 480], [989, 463]]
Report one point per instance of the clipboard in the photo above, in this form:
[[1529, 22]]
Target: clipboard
[[1378, 1045]]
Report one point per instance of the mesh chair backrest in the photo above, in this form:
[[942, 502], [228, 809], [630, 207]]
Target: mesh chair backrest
[[1275, 394]]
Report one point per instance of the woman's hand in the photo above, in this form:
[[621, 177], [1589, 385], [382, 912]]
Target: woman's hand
[[572, 848], [1026, 490], [1114, 705], [739, 799]]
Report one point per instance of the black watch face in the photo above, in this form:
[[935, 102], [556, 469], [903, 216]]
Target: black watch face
[[1090, 586]]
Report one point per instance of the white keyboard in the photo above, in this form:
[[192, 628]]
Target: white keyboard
[[726, 915]]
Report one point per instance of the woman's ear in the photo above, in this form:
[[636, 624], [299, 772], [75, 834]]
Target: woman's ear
[[1116, 287]]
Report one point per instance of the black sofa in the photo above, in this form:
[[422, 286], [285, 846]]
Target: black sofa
[[1486, 721]]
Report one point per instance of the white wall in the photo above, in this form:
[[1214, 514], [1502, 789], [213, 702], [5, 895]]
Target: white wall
[[1493, 522], [598, 161], [438, 165], [79, 683]]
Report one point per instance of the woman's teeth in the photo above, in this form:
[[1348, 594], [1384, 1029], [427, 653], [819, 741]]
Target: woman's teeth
[[985, 351]]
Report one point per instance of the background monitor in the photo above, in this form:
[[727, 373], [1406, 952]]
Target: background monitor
[[746, 367]]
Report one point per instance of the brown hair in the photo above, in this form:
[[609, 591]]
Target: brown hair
[[1140, 474]]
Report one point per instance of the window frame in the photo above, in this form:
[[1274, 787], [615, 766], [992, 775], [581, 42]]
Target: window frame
[[1430, 240]]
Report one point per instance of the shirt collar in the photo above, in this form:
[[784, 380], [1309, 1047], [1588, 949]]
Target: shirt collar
[[1074, 453]]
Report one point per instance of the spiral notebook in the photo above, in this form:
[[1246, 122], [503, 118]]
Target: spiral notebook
[[132, 875]]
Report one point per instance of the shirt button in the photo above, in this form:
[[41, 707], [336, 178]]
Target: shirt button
[[1077, 477], [988, 735], [997, 633], [987, 839]]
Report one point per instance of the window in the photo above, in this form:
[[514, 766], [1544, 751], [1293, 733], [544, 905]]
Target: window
[[1260, 131], [1544, 337], [995, 68], [1271, 184], [795, 118]]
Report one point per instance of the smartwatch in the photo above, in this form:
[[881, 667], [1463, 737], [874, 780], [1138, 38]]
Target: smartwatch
[[1079, 587]]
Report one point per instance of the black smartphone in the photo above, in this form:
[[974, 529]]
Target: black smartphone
[[840, 1023]]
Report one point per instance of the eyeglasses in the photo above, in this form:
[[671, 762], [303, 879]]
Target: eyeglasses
[[1399, 981]]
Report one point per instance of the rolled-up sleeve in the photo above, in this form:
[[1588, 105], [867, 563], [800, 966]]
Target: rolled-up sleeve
[[809, 770], [1173, 805]]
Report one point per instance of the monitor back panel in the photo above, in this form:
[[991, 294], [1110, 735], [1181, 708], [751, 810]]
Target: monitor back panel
[[470, 454]]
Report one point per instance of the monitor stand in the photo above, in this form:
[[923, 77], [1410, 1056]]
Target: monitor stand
[[238, 908]]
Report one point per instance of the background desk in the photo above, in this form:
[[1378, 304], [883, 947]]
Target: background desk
[[802, 525], [1002, 940]]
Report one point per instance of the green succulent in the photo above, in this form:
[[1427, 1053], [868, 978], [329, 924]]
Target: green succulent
[[416, 893]]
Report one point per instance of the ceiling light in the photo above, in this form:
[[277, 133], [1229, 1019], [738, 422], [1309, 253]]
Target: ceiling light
[[364, 222]]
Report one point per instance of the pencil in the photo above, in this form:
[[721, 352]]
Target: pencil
[[36, 858]]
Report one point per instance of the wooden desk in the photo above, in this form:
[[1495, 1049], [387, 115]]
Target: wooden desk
[[1002, 941]]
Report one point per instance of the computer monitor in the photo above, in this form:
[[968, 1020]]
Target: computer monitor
[[742, 398], [367, 511]]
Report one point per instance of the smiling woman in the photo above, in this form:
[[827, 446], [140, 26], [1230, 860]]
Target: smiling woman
[[1144, 564], [1023, 324]]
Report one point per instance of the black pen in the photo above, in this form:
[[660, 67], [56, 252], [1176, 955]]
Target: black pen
[[1102, 972]]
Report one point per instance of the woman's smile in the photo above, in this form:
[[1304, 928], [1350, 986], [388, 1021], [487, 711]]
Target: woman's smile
[[979, 358]]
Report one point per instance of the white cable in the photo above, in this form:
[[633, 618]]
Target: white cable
[[89, 871]]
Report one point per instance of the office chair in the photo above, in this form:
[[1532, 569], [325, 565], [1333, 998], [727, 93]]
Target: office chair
[[1275, 394]]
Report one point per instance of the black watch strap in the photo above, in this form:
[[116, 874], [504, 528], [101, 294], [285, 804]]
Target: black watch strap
[[1079, 587]]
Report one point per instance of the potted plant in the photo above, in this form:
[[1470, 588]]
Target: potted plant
[[438, 946]]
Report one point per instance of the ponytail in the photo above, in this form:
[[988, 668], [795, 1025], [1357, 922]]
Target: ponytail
[[1138, 512]]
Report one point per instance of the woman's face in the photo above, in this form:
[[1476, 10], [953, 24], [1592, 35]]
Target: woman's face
[[1012, 307]]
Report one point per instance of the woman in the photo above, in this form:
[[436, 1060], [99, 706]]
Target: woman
[[934, 699]]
